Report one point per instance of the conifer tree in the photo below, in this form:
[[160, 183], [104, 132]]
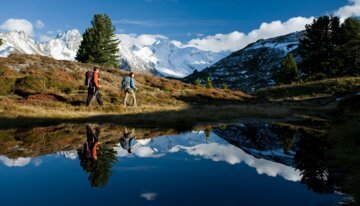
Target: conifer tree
[[209, 83], [198, 82], [289, 70], [99, 45], [348, 54], [318, 47], [224, 86], [1, 41]]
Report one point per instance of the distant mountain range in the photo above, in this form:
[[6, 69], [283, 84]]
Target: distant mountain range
[[253, 67], [164, 57], [248, 69]]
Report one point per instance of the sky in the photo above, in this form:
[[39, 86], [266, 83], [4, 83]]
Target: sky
[[214, 25]]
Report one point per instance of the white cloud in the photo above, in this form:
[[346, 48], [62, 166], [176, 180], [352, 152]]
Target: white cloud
[[237, 40], [349, 10], [130, 40], [145, 23], [18, 25], [39, 24], [150, 196]]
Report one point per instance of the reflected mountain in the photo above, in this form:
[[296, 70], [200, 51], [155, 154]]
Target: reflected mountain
[[212, 147], [262, 140], [297, 147]]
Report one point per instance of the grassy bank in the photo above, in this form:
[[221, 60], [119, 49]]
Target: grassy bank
[[176, 117], [329, 88]]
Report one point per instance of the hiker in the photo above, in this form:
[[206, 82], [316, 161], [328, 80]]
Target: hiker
[[93, 84], [127, 140], [92, 142], [128, 86]]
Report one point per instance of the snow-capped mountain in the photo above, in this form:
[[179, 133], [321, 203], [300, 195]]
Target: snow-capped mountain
[[163, 56], [253, 67], [131, 62], [63, 47], [172, 58], [18, 42]]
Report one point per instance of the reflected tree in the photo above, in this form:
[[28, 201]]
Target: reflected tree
[[311, 159], [288, 136], [207, 132]]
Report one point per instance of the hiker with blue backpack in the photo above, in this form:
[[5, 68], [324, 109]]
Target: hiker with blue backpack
[[93, 84], [128, 86]]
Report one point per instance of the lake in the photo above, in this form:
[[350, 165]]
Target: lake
[[244, 163]]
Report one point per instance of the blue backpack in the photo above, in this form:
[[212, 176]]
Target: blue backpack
[[125, 83]]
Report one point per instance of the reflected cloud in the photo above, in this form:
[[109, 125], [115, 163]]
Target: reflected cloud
[[37, 162], [233, 155], [18, 162], [149, 196], [69, 154], [138, 150]]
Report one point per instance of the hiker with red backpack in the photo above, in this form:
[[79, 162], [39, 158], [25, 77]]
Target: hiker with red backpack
[[93, 83]]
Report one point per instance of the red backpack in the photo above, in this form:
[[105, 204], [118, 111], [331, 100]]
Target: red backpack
[[88, 78]]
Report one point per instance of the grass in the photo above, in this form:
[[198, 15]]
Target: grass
[[310, 90]]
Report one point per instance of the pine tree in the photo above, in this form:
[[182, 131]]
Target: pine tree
[[318, 47], [1, 41], [209, 83], [207, 132], [348, 54], [289, 70], [99, 45], [224, 86], [198, 82]]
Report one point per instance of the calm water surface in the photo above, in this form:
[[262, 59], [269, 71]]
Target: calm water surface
[[239, 164]]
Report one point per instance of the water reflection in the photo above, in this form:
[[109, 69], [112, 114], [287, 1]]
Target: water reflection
[[16, 162], [311, 158], [95, 160], [127, 139], [295, 154]]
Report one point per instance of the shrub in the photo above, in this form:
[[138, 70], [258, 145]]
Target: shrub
[[6, 85], [317, 77], [29, 85], [67, 90], [224, 86], [209, 83], [198, 82], [60, 85], [166, 90]]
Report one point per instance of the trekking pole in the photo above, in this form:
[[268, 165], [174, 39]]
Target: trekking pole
[[92, 98]]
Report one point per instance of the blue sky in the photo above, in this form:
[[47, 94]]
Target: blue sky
[[177, 19], [211, 25]]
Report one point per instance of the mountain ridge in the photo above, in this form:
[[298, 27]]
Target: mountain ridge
[[164, 57], [252, 67]]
